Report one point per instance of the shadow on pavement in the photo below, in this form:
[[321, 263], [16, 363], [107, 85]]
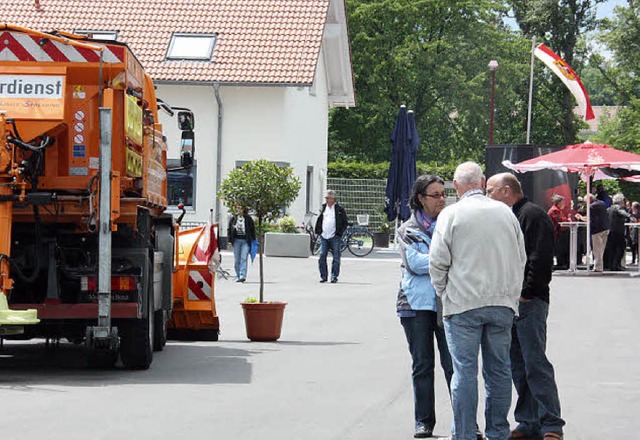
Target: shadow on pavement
[[29, 365]]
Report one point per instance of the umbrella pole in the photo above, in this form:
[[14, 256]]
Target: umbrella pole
[[588, 222], [395, 235]]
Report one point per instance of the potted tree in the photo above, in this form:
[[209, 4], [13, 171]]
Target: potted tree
[[381, 236], [265, 190]]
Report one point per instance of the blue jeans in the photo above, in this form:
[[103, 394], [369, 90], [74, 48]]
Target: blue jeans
[[240, 256], [489, 328], [333, 244], [420, 331], [538, 408]]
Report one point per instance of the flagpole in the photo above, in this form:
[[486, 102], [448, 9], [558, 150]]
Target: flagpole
[[588, 257], [533, 46]]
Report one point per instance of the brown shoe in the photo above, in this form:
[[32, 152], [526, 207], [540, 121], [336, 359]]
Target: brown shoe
[[520, 435], [553, 436]]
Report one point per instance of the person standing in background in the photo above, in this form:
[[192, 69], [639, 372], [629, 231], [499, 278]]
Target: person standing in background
[[330, 226], [599, 225], [241, 233], [614, 251], [560, 234]]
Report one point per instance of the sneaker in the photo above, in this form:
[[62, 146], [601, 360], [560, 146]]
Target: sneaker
[[242, 280], [323, 280], [334, 280], [421, 430], [239, 280]]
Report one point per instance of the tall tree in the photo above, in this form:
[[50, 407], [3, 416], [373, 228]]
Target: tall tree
[[558, 24], [621, 34], [431, 55]]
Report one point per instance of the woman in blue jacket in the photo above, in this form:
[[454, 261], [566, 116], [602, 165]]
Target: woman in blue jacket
[[417, 305]]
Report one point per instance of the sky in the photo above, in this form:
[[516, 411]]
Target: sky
[[606, 9]]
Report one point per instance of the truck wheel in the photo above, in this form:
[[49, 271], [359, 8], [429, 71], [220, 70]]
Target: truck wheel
[[102, 359], [160, 330], [136, 341]]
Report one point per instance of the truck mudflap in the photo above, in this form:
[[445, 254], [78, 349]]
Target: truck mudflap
[[194, 309]]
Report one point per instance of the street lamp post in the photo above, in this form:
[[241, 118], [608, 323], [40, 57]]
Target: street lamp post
[[493, 66]]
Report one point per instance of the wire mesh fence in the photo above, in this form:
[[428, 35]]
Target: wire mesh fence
[[361, 198]]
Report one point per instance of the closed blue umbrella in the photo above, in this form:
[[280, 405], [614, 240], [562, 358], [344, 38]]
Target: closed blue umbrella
[[399, 139], [409, 170]]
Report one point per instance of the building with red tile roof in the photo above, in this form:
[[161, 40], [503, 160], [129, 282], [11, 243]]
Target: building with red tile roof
[[260, 76]]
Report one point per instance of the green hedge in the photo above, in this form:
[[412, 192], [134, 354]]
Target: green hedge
[[363, 170]]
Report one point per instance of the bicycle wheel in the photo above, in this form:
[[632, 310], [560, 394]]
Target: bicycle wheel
[[315, 246], [360, 243]]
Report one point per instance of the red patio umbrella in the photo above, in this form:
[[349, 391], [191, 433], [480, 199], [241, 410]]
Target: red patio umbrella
[[586, 159], [582, 158]]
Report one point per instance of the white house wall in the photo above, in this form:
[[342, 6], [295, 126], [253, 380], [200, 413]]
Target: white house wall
[[280, 124]]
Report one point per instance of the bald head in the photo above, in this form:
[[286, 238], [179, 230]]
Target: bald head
[[505, 188], [468, 176]]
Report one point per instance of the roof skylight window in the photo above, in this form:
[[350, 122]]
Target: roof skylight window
[[98, 35], [191, 47]]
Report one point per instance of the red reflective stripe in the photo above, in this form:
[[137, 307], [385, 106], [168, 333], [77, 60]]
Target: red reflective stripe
[[88, 54], [118, 51], [51, 50], [199, 254], [14, 46], [197, 291], [206, 275]]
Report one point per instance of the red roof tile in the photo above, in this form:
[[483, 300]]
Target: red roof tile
[[259, 41]]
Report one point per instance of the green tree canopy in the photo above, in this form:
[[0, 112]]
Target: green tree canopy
[[263, 189]]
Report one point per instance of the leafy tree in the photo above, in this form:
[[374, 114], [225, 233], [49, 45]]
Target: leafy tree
[[621, 34], [265, 190], [559, 25], [431, 55]]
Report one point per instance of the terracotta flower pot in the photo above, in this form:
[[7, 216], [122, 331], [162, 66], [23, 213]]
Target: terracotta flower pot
[[263, 321]]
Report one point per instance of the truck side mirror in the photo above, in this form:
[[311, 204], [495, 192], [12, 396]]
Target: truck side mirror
[[186, 121], [187, 148]]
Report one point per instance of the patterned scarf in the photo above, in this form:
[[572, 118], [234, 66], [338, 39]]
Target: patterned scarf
[[425, 221]]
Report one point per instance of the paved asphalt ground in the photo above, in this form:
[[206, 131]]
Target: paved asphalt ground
[[341, 370]]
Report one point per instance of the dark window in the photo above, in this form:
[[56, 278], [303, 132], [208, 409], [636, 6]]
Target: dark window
[[309, 187], [182, 183]]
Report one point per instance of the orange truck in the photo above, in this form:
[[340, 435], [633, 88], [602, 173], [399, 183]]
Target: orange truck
[[85, 241]]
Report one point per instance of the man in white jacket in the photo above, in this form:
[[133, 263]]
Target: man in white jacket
[[477, 268]]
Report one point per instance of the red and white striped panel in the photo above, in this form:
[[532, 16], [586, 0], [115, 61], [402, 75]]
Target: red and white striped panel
[[16, 46], [199, 285]]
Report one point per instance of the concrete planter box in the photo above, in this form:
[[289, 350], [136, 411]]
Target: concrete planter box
[[277, 244]]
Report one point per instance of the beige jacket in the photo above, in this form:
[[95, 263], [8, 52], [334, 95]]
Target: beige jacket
[[477, 256]]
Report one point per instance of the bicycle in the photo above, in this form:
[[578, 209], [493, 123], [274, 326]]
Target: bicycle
[[309, 228], [357, 238]]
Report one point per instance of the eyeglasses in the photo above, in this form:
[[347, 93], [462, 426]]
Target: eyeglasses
[[436, 195]]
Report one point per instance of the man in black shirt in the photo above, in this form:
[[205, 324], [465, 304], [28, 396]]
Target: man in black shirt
[[538, 407]]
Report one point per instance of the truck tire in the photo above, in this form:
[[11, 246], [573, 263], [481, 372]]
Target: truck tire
[[102, 359], [160, 330], [136, 340]]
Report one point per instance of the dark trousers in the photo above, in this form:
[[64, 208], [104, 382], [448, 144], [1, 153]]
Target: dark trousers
[[537, 410], [332, 244], [614, 251], [561, 249], [420, 332]]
